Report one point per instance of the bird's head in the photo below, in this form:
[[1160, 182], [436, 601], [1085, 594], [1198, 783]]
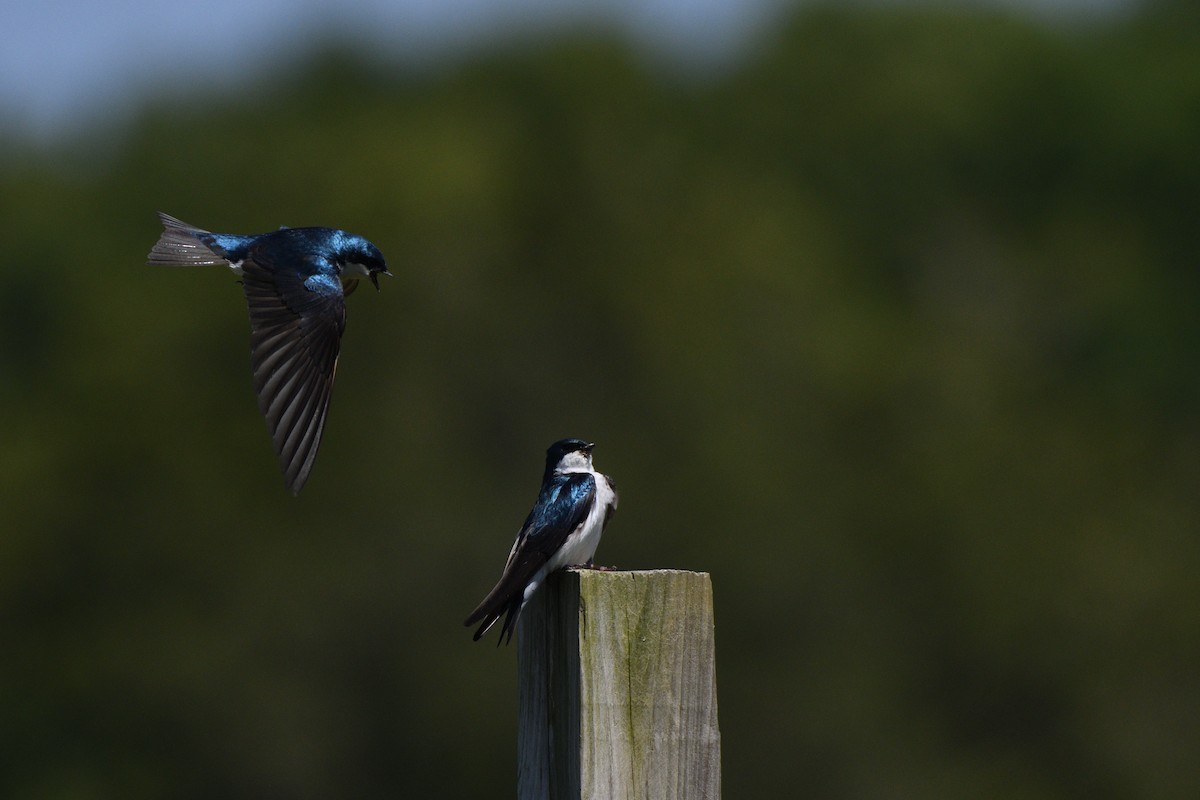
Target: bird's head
[[357, 257], [569, 455]]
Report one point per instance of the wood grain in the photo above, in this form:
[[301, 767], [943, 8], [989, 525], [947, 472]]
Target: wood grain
[[617, 688]]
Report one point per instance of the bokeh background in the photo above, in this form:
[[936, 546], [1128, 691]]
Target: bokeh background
[[885, 314]]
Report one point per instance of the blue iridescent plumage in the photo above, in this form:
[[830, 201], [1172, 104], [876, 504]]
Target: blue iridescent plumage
[[573, 508], [295, 281]]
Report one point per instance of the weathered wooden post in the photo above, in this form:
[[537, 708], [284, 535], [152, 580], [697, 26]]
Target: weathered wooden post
[[617, 691]]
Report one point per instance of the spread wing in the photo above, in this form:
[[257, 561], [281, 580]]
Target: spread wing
[[560, 509], [296, 325]]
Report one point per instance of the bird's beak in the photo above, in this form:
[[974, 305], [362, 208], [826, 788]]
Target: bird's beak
[[587, 448], [375, 277]]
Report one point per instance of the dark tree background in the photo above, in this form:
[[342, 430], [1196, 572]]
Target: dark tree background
[[892, 326]]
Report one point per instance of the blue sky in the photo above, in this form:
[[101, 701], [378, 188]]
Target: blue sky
[[68, 61]]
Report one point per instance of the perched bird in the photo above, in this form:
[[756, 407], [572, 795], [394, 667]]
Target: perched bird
[[296, 281], [572, 510]]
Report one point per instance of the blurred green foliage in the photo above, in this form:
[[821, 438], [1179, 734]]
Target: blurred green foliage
[[893, 328]]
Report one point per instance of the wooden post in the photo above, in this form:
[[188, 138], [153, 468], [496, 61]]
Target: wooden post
[[617, 690]]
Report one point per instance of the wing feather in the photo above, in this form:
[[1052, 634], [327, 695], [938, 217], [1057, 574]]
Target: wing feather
[[562, 506], [296, 328]]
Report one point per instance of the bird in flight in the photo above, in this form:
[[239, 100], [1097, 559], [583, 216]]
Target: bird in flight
[[572, 510], [296, 281]]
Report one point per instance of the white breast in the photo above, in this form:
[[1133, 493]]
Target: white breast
[[580, 546]]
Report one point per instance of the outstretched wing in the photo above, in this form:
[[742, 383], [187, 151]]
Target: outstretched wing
[[296, 325], [561, 508]]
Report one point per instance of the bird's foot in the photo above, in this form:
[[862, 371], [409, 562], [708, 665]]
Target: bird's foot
[[591, 566]]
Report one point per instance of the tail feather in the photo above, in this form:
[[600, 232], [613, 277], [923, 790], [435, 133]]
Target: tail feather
[[490, 613], [510, 621], [180, 246], [511, 611], [522, 575]]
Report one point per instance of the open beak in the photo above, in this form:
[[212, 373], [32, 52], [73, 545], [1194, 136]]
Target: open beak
[[375, 277]]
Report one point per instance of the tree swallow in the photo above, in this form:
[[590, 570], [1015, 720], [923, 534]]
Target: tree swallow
[[296, 282], [572, 510]]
